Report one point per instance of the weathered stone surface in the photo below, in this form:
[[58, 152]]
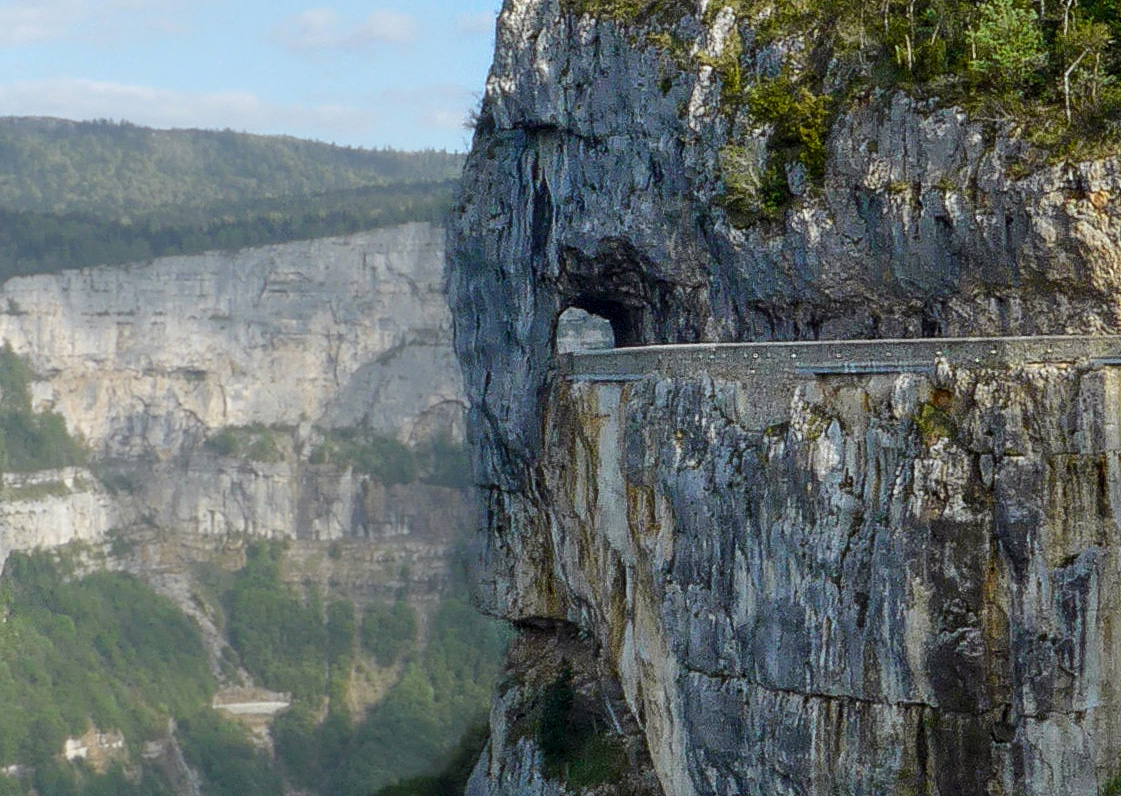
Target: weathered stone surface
[[594, 182], [844, 602], [901, 586], [51, 508]]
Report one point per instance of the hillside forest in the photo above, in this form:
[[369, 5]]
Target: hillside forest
[[75, 194], [103, 650]]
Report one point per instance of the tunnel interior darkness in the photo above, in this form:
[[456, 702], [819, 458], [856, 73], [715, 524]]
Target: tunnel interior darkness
[[626, 324]]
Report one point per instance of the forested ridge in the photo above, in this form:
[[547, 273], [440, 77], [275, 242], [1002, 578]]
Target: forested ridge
[[74, 194]]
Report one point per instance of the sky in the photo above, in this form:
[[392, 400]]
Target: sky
[[372, 73]]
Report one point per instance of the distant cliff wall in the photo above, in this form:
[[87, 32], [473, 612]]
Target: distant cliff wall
[[146, 359], [305, 394], [148, 362]]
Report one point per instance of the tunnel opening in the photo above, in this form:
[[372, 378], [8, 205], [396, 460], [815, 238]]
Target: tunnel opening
[[621, 286]]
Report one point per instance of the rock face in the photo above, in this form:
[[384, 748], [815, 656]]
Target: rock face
[[145, 360], [594, 182], [54, 507], [900, 585]]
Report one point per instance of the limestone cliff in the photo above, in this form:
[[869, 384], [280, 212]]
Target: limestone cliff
[[147, 362], [147, 359], [900, 583]]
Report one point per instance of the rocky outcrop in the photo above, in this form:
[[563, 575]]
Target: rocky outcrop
[[51, 508], [900, 585], [595, 182]]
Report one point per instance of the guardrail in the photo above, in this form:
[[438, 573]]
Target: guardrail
[[832, 357]]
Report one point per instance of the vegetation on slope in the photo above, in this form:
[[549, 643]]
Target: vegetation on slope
[[452, 781], [102, 651], [80, 194], [37, 242], [30, 440], [289, 642], [280, 636], [443, 693], [1056, 64], [439, 461], [228, 762], [108, 169]]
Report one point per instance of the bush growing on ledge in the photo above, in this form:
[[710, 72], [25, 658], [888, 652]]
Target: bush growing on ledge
[[444, 462], [933, 419], [368, 452], [628, 11], [799, 118], [440, 461], [255, 442], [572, 747], [557, 733], [30, 441]]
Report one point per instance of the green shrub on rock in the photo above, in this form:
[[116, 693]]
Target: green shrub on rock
[[30, 440]]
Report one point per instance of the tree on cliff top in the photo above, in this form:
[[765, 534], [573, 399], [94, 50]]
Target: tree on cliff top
[[1007, 44]]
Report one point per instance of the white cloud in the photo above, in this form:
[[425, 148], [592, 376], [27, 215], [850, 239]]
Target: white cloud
[[480, 24], [25, 22], [86, 99], [168, 16], [444, 118], [323, 29], [31, 21]]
